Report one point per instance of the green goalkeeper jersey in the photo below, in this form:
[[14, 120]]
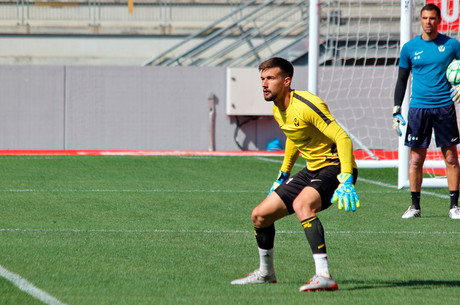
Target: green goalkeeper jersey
[[312, 130]]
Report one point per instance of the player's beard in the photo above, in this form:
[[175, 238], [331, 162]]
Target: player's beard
[[270, 97]]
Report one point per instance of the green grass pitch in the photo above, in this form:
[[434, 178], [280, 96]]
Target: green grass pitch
[[176, 230]]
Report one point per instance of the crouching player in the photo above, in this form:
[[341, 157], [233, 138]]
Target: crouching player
[[328, 178]]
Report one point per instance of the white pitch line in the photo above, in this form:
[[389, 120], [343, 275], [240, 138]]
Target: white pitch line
[[379, 183], [155, 191], [28, 287], [125, 191], [64, 230]]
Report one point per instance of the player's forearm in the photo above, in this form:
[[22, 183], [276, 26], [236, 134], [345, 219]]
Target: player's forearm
[[345, 151], [291, 154], [401, 85]]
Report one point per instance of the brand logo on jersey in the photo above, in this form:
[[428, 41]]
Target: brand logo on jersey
[[417, 55], [441, 48], [296, 122], [290, 179]]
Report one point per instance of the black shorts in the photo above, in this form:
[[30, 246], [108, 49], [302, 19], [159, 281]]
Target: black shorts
[[323, 180], [421, 122]]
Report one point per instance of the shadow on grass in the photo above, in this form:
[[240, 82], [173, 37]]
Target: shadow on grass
[[413, 284]]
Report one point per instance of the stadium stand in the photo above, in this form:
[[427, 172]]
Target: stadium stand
[[229, 26]]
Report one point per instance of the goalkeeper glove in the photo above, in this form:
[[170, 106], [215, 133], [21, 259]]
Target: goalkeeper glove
[[455, 93], [397, 119], [345, 195], [281, 178]]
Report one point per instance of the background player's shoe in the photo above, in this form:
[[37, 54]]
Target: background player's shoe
[[318, 282], [454, 213], [411, 213], [255, 278]]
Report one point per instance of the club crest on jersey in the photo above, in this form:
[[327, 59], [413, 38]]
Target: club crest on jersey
[[441, 48], [296, 122]]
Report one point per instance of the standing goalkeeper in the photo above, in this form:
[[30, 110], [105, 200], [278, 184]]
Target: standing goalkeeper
[[431, 108], [329, 176]]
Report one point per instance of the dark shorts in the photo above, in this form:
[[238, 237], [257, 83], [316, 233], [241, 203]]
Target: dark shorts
[[422, 121], [323, 180]]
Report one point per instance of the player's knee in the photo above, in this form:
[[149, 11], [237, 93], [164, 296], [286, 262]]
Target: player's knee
[[257, 219], [303, 208], [452, 164], [452, 161], [261, 220], [416, 163]]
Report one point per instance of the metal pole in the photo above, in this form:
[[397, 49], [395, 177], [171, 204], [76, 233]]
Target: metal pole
[[313, 49], [212, 121], [403, 151]]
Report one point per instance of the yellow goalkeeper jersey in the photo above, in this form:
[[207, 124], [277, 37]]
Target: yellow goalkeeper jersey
[[312, 130]]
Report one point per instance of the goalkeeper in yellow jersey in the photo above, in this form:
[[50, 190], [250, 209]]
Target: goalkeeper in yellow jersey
[[328, 178]]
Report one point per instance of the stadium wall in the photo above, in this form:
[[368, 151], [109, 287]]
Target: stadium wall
[[147, 108]]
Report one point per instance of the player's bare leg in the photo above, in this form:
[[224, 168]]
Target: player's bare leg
[[450, 156], [417, 158]]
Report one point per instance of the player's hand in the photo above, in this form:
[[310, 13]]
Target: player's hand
[[345, 195], [398, 120], [281, 178], [455, 93]]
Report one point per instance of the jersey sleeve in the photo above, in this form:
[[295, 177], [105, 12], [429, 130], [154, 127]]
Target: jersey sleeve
[[457, 48], [344, 146], [404, 58], [291, 154]]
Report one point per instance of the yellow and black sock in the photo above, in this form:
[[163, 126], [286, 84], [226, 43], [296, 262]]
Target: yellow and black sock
[[315, 234]]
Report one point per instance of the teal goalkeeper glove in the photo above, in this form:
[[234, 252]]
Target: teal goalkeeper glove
[[281, 178], [397, 120], [345, 194]]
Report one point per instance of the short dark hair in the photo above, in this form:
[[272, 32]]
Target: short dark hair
[[277, 62], [431, 7]]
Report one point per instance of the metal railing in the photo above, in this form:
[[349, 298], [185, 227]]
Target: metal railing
[[93, 12], [24, 12]]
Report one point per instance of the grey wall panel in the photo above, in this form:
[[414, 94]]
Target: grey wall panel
[[140, 107], [166, 108], [31, 108]]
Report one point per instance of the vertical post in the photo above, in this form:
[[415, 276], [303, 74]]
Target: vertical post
[[403, 151], [212, 121], [313, 49]]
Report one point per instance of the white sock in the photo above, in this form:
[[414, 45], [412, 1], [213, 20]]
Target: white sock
[[321, 264], [266, 261]]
